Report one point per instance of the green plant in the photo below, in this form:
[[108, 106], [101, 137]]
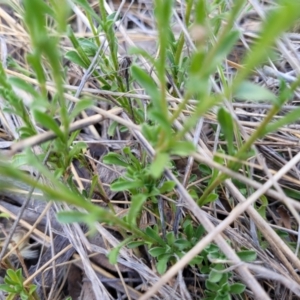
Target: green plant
[[13, 286], [194, 63], [218, 283]]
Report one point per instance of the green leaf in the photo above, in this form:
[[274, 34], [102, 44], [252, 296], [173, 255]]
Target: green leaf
[[23, 85], [158, 116], [215, 276], [88, 47], [289, 118], [222, 296], [152, 233], [6, 288], [135, 244], [170, 238], [32, 288], [247, 255], [211, 285], [277, 21], [123, 185], [197, 260], [88, 8], [210, 198], [148, 84], [253, 92], [137, 202], [67, 217], [142, 52], [4, 215], [35, 62], [80, 106], [262, 209], [48, 122], [188, 229], [151, 132], [161, 265], [237, 288], [115, 159], [226, 123], [15, 276], [167, 186], [134, 161], [199, 232], [161, 160], [112, 128], [114, 253], [182, 244], [222, 52], [182, 148], [157, 251], [77, 149], [75, 58], [201, 12], [225, 285]]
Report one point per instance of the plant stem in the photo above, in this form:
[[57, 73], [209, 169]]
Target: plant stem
[[242, 151]]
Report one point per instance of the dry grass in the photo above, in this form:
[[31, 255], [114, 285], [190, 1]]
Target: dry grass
[[260, 199]]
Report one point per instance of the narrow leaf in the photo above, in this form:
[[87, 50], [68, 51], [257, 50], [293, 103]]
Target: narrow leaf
[[253, 92], [160, 162], [48, 122], [227, 127], [147, 83], [137, 202], [182, 148]]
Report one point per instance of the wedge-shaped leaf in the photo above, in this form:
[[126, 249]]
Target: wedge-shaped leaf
[[253, 92], [157, 251], [237, 288], [137, 202], [160, 162], [48, 122], [182, 244], [161, 266], [227, 127], [211, 285], [7, 288], [13, 275], [170, 238], [75, 58], [247, 255], [215, 276]]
